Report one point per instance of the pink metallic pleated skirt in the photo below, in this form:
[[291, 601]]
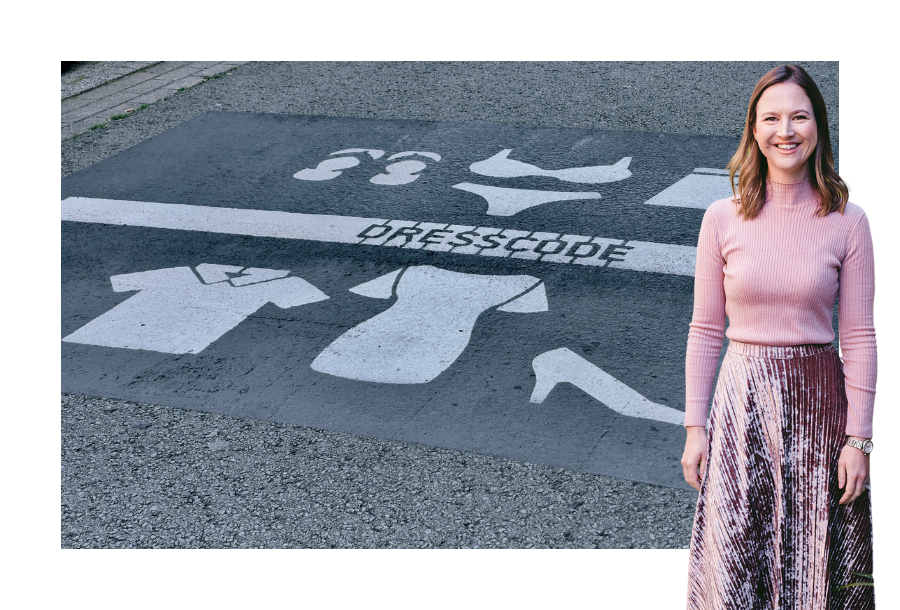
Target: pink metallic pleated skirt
[[769, 532]]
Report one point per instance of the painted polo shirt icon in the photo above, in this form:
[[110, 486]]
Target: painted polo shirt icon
[[429, 325], [176, 313]]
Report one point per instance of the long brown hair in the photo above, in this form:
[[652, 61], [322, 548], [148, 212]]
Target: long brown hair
[[750, 193]]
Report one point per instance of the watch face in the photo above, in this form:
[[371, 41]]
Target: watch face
[[867, 447]]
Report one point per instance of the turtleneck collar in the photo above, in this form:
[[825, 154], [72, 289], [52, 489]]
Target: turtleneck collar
[[791, 194]]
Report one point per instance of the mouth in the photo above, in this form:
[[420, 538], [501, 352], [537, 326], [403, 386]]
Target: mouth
[[791, 146]]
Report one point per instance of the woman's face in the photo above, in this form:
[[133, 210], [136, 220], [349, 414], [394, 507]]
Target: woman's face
[[786, 131]]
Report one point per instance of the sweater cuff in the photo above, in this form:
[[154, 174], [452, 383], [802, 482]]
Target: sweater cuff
[[695, 415], [860, 405]]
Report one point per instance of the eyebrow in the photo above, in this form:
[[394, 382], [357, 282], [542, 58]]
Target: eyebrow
[[792, 112]]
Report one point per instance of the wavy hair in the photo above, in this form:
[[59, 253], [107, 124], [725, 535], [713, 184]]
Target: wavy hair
[[751, 166]]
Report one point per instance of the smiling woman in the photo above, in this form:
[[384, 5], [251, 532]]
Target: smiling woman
[[785, 131], [783, 516], [786, 141]]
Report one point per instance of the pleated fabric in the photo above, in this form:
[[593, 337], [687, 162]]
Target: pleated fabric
[[769, 532]]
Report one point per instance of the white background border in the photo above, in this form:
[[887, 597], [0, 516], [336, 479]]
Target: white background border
[[709, 31]]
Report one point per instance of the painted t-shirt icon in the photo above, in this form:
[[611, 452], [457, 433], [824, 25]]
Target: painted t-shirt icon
[[429, 325], [176, 313]]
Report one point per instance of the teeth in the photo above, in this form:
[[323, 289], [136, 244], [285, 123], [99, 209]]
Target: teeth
[[787, 146]]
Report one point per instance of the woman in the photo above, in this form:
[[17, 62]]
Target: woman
[[783, 516]]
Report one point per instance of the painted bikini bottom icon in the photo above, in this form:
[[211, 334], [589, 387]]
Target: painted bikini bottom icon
[[429, 325]]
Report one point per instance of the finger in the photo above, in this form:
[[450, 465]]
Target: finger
[[858, 486], [691, 480], [845, 498], [854, 488], [842, 474], [702, 470]]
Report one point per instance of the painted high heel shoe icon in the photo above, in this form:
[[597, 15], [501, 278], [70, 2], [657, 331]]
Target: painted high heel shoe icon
[[564, 365], [501, 166]]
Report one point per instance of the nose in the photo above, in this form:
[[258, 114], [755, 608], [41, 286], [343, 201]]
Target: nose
[[786, 130]]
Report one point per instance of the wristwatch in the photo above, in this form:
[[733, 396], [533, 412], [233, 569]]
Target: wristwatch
[[864, 446]]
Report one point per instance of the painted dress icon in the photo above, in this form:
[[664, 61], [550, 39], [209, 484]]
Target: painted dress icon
[[429, 325], [177, 313]]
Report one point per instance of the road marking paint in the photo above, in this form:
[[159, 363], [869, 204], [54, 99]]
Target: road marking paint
[[414, 341], [481, 241], [697, 190], [565, 366], [175, 313], [501, 166], [504, 201]]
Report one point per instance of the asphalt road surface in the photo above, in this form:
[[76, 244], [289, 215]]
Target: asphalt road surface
[[404, 305]]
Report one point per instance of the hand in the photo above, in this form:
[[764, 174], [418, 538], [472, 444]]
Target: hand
[[693, 461], [853, 472]]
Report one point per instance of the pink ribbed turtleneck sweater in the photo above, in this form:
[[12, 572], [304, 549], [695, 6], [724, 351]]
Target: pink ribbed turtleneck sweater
[[776, 278]]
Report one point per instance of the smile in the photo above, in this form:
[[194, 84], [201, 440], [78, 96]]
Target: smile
[[787, 146]]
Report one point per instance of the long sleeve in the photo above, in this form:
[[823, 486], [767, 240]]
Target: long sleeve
[[707, 328], [857, 330]]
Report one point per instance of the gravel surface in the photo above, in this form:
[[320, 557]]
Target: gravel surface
[[706, 98], [145, 476], [84, 75], [152, 476]]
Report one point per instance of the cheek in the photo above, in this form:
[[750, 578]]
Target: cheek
[[813, 136]]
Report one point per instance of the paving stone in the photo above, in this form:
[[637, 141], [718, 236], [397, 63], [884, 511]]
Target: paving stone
[[120, 109], [202, 64], [96, 94], [178, 74], [213, 69], [84, 112], [188, 82], [166, 66], [148, 85], [72, 103], [86, 75], [153, 96], [131, 80], [119, 98]]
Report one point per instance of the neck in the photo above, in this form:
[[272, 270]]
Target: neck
[[791, 193], [799, 175]]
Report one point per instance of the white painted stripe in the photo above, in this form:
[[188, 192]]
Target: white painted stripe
[[710, 170], [694, 191], [258, 223], [457, 239], [658, 258]]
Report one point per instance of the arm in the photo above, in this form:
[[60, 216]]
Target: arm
[[857, 329], [707, 330], [858, 348]]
